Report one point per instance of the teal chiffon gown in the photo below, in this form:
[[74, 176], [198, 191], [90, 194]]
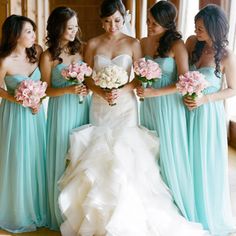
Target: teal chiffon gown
[[64, 114], [166, 115], [22, 163], [208, 152]]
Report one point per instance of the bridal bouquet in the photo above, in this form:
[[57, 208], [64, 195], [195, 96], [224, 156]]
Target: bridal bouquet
[[147, 72], [76, 73], [31, 93], [192, 84], [111, 77]]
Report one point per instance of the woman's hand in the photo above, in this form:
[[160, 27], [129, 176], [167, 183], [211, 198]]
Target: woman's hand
[[77, 89], [146, 92], [83, 90], [111, 95], [195, 103], [35, 110]]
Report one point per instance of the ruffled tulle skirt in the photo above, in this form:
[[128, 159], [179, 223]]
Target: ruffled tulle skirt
[[112, 186]]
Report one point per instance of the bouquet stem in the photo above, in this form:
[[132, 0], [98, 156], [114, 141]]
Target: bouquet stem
[[81, 99], [144, 85]]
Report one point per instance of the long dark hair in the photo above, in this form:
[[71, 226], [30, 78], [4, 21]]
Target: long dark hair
[[217, 27], [109, 7], [56, 26], [165, 14], [11, 32]]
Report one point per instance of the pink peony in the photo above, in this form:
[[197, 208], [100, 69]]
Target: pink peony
[[192, 84], [147, 70], [31, 93], [76, 72]]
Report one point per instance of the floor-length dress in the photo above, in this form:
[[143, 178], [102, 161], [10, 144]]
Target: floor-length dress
[[112, 185], [209, 156], [64, 113], [22, 163], [166, 115]]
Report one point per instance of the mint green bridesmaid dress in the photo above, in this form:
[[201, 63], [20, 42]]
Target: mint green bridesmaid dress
[[64, 114], [166, 115], [208, 152], [22, 163]]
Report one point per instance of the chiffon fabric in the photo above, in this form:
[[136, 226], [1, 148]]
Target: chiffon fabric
[[209, 157], [64, 113], [166, 115], [22, 163]]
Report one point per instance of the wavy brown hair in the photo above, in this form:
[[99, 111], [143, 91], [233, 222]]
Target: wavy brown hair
[[165, 13], [217, 27], [56, 26], [11, 32]]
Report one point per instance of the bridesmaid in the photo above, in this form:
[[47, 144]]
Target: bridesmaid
[[206, 119], [64, 110], [22, 132], [163, 108]]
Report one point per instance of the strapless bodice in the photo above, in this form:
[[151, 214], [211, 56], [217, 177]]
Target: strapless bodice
[[12, 81], [169, 71], [125, 112], [215, 83]]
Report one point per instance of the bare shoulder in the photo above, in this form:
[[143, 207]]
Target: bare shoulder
[[38, 48], [144, 41], [191, 42], [3, 63], [178, 44], [133, 42], [46, 56], [229, 60], [93, 42]]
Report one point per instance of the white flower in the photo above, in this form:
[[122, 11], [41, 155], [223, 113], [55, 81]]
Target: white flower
[[110, 77]]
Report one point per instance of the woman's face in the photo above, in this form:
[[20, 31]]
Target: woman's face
[[113, 24], [153, 27], [27, 36], [71, 29], [201, 31]]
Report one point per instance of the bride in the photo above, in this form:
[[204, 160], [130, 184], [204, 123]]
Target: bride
[[112, 185]]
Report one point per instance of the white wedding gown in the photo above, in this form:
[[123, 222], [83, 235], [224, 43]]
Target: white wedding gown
[[112, 185]]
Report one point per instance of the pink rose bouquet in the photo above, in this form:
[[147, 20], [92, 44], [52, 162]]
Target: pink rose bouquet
[[31, 93], [192, 84], [76, 73], [111, 77], [147, 71]]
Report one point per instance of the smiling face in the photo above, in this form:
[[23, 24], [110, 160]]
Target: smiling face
[[113, 24], [27, 36], [153, 27], [71, 30], [201, 31]]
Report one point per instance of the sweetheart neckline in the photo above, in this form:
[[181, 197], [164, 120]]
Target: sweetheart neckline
[[27, 76], [112, 59]]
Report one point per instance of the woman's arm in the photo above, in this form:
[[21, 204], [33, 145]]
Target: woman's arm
[[3, 93], [46, 66], [228, 66]]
